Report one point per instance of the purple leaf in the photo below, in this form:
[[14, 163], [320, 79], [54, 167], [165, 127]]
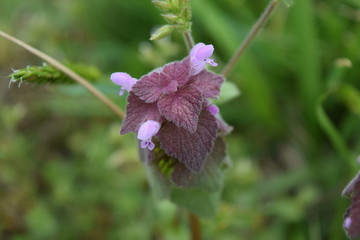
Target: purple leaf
[[178, 71], [190, 148], [151, 87], [352, 215], [182, 107], [137, 112], [210, 178], [208, 83]]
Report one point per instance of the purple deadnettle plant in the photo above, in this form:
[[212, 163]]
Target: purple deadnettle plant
[[172, 104]]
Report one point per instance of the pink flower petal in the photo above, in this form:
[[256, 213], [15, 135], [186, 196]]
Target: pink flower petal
[[151, 145], [196, 49], [148, 129], [123, 79], [204, 52], [199, 56]]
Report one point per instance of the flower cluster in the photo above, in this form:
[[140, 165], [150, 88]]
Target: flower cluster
[[172, 104]]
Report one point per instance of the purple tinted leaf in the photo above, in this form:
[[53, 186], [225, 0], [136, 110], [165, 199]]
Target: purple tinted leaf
[[178, 71], [352, 215], [137, 112], [190, 148], [152, 86], [208, 83], [210, 178], [182, 107]]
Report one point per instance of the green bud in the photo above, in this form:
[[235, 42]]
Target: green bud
[[175, 3], [181, 22], [161, 32], [182, 3], [170, 18], [163, 6], [186, 14]]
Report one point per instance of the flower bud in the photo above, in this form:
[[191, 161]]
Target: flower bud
[[124, 80], [170, 18], [163, 6], [161, 32]]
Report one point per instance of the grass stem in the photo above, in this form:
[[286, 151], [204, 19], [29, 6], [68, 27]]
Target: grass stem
[[250, 37]]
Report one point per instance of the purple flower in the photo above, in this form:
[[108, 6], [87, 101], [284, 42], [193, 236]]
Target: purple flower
[[124, 80], [146, 131], [213, 109], [199, 56], [347, 223], [171, 104]]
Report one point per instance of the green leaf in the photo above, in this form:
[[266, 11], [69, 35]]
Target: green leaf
[[228, 92], [354, 2], [308, 59], [202, 203], [40, 221]]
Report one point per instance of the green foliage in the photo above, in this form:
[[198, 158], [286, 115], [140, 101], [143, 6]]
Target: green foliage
[[228, 92], [289, 3]]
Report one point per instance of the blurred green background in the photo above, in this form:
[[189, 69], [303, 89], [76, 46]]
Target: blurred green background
[[66, 173]]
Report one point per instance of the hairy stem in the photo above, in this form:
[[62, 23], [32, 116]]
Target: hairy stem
[[77, 78], [188, 40], [250, 37], [195, 226]]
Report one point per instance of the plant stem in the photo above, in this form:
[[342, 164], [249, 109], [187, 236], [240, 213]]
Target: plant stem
[[195, 226], [250, 37], [188, 40], [77, 78]]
